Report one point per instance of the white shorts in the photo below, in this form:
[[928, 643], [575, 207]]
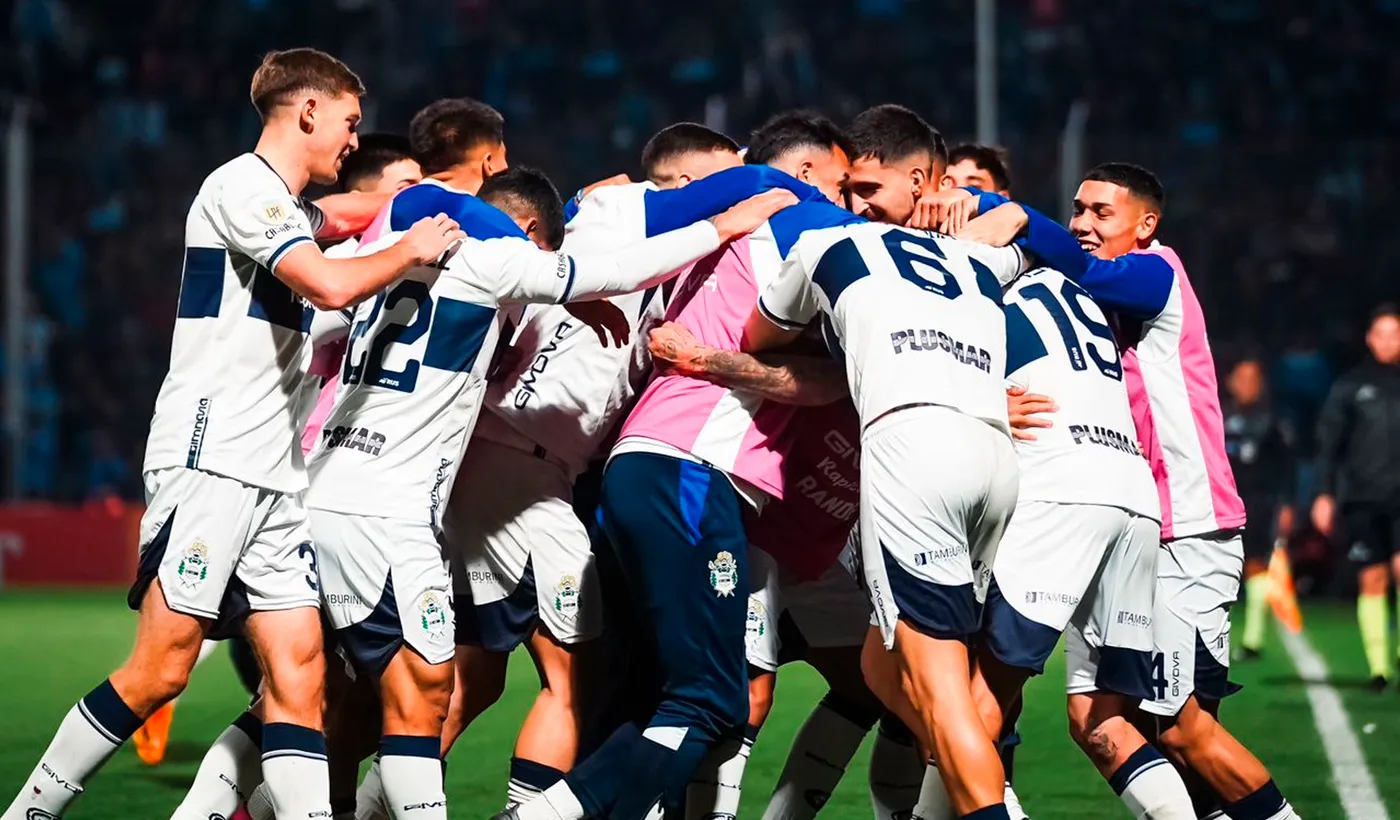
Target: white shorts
[[520, 554], [1083, 570], [385, 584], [937, 488], [785, 617], [222, 548], [1198, 578]]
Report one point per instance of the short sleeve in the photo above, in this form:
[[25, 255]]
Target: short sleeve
[[517, 270], [790, 302], [1005, 263], [262, 223]]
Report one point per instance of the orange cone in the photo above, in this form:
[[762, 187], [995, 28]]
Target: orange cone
[[151, 738], [1283, 596]]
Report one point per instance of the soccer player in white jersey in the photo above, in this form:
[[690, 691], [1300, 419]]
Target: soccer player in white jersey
[[919, 318], [224, 531], [1080, 551], [413, 385], [1112, 252], [523, 568]]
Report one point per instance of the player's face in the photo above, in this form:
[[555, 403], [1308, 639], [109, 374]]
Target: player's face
[[1384, 339], [331, 123], [397, 176], [966, 174], [1109, 221], [827, 172], [1247, 382], [885, 193]]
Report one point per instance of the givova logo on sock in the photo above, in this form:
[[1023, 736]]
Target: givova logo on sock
[[40, 814]]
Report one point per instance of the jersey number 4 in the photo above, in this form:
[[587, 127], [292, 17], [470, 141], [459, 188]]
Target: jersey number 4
[[364, 357]]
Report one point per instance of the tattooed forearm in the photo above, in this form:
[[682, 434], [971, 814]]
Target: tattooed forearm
[[802, 380]]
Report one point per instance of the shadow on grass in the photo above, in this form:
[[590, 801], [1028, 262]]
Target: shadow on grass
[[1350, 683]]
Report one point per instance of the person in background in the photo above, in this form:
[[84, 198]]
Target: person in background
[[1260, 446], [979, 166], [1358, 471]]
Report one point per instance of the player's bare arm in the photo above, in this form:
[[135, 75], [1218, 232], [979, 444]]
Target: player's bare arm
[[997, 227], [789, 379], [1026, 412], [350, 213], [332, 284]]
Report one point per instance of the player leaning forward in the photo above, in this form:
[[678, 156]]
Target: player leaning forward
[[413, 387], [224, 539]]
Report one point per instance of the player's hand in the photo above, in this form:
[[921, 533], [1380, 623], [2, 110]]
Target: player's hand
[[1024, 411], [752, 212], [430, 237], [605, 318], [944, 211], [997, 227], [674, 349], [1324, 514]]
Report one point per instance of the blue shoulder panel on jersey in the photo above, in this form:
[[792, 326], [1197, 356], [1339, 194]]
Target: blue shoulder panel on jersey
[[1023, 344], [202, 283], [459, 328], [478, 219], [838, 268], [275, 303], [986, 280], [709, 197], [1137, 284], [789, 223]]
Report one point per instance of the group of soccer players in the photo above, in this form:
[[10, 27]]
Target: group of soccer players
[[848, 409]]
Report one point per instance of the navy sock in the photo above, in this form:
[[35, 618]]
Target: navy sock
[[289, 739], [850, 710], [535, 775], [997, 812], [1263, 804], [109, 714], [251, 726]]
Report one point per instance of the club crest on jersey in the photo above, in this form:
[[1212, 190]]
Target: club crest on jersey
[[724, 574], [194, 565], [566, 597], [432, 614], [756, 623]]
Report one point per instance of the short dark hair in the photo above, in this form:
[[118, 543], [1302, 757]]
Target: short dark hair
[[791, 131], [524, 191], [990, 158], [283, 73], [890, 133], [376, 152], [443, 133], [680, 139], [1139, 181], [1385, 310]]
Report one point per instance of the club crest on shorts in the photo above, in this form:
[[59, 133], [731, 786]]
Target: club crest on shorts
[[566, 597], [756, 623], [724, 574], [194, 565], [432, 614]]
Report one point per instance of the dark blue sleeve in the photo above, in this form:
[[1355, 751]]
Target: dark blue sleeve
[[1136, 284], [709, 197], [986, 200], [571, 207]]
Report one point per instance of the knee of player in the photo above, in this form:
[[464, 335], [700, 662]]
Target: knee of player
[[1183, 736], [1096, 740]]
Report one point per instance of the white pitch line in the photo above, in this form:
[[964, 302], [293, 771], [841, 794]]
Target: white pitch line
[[1350, 774]]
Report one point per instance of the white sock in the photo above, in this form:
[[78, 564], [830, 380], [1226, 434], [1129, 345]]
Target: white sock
[[517, 793], [1152, 789], [555, 803], [896, 775], [1013, 803], [259, 806], [714, 793], [369, 798], [411, 769], [933, 797], [90, 733], [205, 650], [229, 773], [820, 753], [294, 766]]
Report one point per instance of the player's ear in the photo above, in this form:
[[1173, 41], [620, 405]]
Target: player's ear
[[804, 171], [947, 183], [918, 178], [306, 116], [1147, 225]]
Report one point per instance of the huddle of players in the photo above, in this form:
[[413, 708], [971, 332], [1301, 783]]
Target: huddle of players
[[742, 438]]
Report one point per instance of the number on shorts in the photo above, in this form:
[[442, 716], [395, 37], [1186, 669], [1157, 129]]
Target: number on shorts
[[368, 366], [309, 552], [1159, 675]]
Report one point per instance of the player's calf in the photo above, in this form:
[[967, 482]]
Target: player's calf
[[415, 694], [1146, 782], [1194, 738]]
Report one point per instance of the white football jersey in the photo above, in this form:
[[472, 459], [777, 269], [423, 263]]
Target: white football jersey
[[229, 402], [1060, 345], [414, 375], [917, 314]]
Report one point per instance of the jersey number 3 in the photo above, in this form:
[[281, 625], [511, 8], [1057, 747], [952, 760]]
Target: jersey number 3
[[364, 358]]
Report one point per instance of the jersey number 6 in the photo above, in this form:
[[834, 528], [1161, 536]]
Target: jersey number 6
[[368, 365]]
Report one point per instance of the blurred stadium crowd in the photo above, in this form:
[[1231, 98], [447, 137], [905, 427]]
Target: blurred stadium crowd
[[1260, 116]]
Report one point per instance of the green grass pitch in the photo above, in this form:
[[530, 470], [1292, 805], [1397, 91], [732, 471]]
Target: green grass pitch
[[54, 646]]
